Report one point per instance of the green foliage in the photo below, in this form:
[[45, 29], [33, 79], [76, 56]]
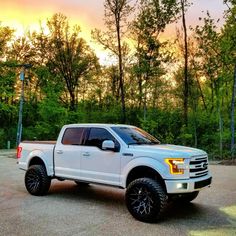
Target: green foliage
[[185, 137], [2, 139], [67, 85], [52, 116]]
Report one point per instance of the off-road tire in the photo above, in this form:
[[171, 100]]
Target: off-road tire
[[146, 199], [37, 182]]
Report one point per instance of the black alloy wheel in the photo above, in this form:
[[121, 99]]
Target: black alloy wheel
[[146, 199], [36, 180]]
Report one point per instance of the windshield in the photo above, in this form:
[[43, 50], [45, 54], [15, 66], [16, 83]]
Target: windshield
[[135, 136]]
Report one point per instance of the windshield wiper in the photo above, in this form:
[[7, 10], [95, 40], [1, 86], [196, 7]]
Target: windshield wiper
[[143, 143], [154, 143], [139, 143], [135, 143]]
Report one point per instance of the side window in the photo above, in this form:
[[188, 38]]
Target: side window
[[73, 136], [97, 136]]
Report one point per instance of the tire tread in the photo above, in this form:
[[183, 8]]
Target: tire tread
[[160, 194], [44, 178]]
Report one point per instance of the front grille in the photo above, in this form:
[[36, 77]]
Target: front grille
[[198, 166]]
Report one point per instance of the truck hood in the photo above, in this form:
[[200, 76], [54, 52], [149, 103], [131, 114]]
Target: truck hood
[[168, 150]]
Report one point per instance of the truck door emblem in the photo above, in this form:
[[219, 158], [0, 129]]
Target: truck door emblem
[[128, 154]]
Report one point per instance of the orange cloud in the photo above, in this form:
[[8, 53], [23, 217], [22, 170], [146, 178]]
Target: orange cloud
[[26, 15]]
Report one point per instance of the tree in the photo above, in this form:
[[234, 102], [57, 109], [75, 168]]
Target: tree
[[7, 88], [211, 65], [69, 56], [116, 14], [229, 51], [6, 35], [7, 80], [48, 83], [186, 83], [150, 54]]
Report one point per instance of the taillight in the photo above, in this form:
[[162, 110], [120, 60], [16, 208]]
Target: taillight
[[18, 153]]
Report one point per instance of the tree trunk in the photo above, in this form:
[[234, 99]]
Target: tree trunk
[[145, 101], [212, 95], [195, 124], [218, 106], [121, 73], [232, 113], [185, 64], [140, 89], [221, 134], [202, 95], [72, 102]]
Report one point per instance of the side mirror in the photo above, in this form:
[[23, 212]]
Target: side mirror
[[108, 145]]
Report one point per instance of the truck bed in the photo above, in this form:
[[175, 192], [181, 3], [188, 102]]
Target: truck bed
[[43, 149]]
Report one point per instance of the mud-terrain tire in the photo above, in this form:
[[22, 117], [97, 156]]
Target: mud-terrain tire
[[37, 182], [146, 199]]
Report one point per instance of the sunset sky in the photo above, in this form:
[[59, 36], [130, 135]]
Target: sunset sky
[[24, 15]]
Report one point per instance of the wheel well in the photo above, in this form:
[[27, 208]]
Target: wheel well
[[144, 171], [36, 161]]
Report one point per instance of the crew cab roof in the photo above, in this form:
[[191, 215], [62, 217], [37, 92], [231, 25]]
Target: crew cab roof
[[96, 125]]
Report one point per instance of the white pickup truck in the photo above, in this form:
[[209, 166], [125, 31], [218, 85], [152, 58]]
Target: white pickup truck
[[123, 156]]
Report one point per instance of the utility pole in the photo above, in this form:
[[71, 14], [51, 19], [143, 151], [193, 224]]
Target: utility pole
[[22, 78]]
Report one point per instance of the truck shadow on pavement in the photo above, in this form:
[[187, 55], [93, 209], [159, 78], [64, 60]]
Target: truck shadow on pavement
[[90, 193], [193, 216]]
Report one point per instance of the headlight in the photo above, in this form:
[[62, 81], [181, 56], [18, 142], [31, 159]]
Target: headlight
[[176, 165]]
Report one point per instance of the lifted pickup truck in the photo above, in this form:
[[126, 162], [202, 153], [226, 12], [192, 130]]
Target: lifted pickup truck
[[117, 155]]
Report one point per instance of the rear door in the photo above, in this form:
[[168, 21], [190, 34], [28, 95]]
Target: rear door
[[68, 152], [97, 165]]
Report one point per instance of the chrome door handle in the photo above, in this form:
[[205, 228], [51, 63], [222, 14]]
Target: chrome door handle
[[59, 151], [86, 154]]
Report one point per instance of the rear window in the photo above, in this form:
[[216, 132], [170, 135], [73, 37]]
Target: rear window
[[73, 136]]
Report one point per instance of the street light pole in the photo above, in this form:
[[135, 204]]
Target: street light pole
[[19, 126]]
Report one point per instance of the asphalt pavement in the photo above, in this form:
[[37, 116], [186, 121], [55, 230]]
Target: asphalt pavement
[[96, 210]]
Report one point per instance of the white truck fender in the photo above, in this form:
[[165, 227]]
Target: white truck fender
[[142, 161], [40, 154]]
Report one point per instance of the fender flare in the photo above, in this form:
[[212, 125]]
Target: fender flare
[[152, 163], [41, 155]]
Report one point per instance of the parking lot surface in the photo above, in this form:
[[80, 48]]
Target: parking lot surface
[[96, 210]]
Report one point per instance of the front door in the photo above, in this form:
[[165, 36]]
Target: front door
[[97, 165]]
